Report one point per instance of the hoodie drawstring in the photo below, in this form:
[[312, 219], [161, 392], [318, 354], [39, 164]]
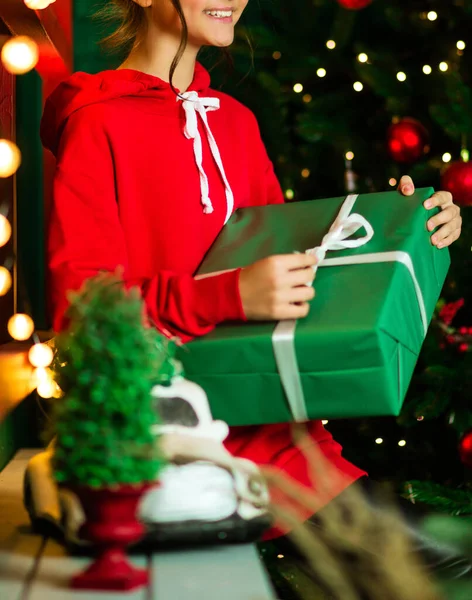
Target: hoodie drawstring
[[193, 104]]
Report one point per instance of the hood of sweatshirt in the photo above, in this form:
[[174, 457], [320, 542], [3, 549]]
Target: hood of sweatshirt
[[83, 89]]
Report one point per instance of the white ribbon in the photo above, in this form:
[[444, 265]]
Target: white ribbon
[[193, 104], [283, 337]]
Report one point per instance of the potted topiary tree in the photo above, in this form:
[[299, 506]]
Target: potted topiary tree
[[106, 364]]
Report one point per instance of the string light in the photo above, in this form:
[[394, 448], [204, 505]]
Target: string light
[[401, 76], [402, 443], [41, 374], [460, 45], [277, 55], [427, 70], [40, 355], [20, 327], [5, 281], [321, 72], [38, 4], [325, 422], [379, 441], [331, 44], [392, 181], [289, 194], [5, 230], [358, 86], [280, 555], [47, 388], [446, 157], [306, 173], [20, 55], [362, 58], [432, 15], [349, 155], [10, 158], [307, 98], [443, 66], [465, 155], [297, 88]]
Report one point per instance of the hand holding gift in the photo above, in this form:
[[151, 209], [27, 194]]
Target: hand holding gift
[[449, 218], [278, 287]]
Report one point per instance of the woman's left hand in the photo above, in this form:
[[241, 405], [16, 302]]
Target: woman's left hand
[[449, 217]]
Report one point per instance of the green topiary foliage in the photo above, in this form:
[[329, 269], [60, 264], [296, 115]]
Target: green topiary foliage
[[106, 363]]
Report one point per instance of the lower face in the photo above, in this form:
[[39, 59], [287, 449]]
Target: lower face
[[212, 22]]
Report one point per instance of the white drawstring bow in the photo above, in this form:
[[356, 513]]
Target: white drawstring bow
[[193, 104]]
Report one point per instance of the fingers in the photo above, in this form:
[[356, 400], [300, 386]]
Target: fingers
[[450, 230], [294, 311], [299, 277], [406, 186], [451, 213], [290, 262], [442, 199], [450, 239], [297, 294]]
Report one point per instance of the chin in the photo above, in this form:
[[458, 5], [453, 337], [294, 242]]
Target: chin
[[221, 41]]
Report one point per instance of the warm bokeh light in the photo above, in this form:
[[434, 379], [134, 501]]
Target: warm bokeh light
[[38, 4], [20, 327], [277, 55], [402, 443], [358, 86], [446, 157], [460, 45], [307, 98], [443, 66], [401, 76], [331, 44], [20, 54], [349, 155], [5, 230], [379, 441], [427, 70], [297, 88], [306, 173], [5, 281], [289, 194], [10, 158], [432, 15], [325, 421], [392, 181], [362, 58], [47, 388], [40, 355], [321, 72]]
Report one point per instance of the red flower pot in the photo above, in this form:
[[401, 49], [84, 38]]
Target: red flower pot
[[111, 525]]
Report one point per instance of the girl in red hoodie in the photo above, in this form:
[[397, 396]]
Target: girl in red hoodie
[[151, 163]]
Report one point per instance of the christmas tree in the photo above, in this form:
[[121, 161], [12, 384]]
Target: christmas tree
[[350, 95]]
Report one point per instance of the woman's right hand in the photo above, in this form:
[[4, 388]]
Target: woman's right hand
[[278, 287]]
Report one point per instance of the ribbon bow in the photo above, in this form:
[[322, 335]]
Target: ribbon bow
[[344, 226], [194, 105]]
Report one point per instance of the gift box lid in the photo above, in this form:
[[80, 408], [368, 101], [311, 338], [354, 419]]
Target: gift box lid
[[355, 304]]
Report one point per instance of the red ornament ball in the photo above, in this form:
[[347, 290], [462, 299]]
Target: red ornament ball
[[457, 179], [354, 4], [465, 449], [407, 140]]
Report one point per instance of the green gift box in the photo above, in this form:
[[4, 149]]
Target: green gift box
[[354, 355]]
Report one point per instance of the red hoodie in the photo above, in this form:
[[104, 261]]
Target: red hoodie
[[146, 181]]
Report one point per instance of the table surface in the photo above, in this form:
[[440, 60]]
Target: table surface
[[37, 568]]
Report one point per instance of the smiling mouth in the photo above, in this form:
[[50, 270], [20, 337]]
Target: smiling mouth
[[222, 15]]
